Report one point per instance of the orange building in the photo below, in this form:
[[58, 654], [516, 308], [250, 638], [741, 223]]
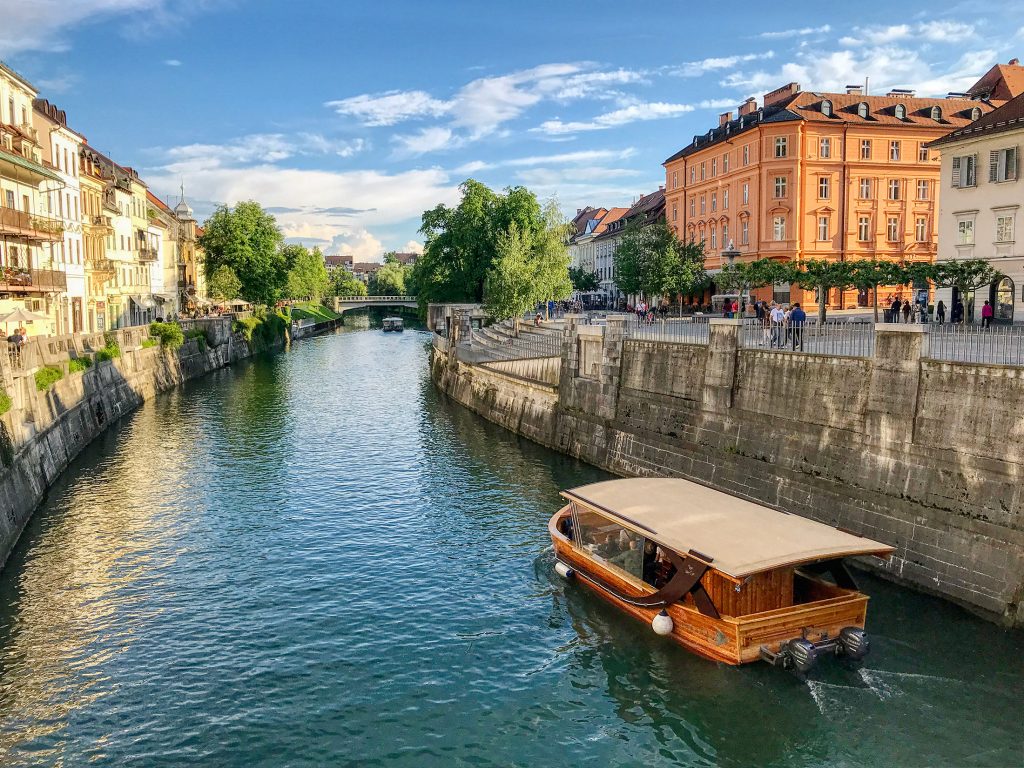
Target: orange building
[[822, 176]]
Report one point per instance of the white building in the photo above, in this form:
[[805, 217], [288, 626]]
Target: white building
[[980, 207], [60, 148]]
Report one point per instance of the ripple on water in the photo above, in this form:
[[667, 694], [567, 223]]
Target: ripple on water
[[314, 559]]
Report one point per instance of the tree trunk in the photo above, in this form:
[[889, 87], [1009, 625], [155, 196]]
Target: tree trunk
[[822, 299], [874, 301]]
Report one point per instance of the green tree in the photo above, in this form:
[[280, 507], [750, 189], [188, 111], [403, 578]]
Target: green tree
[[582, 280], [389, 280], [965, 275], [824, 276], [650, 259], [307, 275], [246, 239], [344, 283], [224, 284], [868, 274]]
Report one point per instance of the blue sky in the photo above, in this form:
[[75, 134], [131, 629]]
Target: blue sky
[[349, 119]]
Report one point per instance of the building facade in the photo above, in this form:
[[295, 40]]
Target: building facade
[[981, 204], [810, 175]]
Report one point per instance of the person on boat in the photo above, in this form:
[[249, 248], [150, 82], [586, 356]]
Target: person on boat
[[631, 560]]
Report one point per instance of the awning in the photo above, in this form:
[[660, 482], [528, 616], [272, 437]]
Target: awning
[[740, 536], [29, 165], [144, 302], [164, 297]]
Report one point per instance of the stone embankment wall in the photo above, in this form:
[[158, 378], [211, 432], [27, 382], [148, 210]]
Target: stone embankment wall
[[43, 431], [921, 454]]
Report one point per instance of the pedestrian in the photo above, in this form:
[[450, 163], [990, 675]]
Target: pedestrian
[[797, 318], [986, 315], [940, 310], [766, 325], [778, 318], [906, 311]]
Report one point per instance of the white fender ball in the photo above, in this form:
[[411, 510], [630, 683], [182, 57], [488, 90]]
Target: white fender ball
[[662, 624], [563, 570]]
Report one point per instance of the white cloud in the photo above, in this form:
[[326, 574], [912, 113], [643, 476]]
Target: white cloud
[[630, 114], [798, 32], [931, 31], [172, 62], [390, 107], [413, 246], [425, 140], [702, 67], [359, 244]]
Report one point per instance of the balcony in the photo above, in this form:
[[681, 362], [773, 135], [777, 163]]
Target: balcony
[[19, 280], [101, 268], [102, 222], [147, 253], [30, 227]]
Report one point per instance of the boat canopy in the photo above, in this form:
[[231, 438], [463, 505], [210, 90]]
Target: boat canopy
[[737, 536]]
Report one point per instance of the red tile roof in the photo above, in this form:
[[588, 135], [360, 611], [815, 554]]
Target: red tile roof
[[1008, 117], [1001, 83]]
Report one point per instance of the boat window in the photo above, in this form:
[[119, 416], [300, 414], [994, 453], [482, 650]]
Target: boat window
[[610, 542]]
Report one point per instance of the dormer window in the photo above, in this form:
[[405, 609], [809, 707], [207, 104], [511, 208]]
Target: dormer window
[[826, 108], [862, 110], [976, 114], [936, 113], [900, 111]]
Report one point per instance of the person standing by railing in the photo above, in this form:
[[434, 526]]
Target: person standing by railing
[[778, 318], [940, 312], [986, 315], [797, 318]]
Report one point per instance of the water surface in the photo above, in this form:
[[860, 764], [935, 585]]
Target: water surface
[[314, 559]]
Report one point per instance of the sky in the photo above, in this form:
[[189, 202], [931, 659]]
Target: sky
[[348, 119]]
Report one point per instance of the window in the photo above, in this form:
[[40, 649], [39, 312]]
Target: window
[[865, 149], [725, 199], [1004, 229], [936, 113], [780, 186], [725, 235], [862, 110], [894, 189], [703, 204], [965, 232], [900, 111], [714, 202], [746, 194], [693, 207], [976, 114], [746, 155], [823, 227], [824, 188], [865, 189], [864, 229], [693, 174], [745, 232], [893, 229], [714, 237], [965, 171], [714, 167], [725, 163], [617, 547], [781, 146], [1002, 165], [922, 152], [826, 108], [921, 229], [703, 171], [675, 212], [825, 148], [675, 179], [922, 189], [779, 228], [894, 150]]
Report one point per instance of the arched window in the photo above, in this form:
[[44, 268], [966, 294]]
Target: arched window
[[936, 113], [976, 114], [826, 108], [862, 109], [1003, 295], [901, 112]]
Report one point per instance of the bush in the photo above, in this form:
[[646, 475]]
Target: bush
[[200, 337], [111, 350], [79, 364], [147, 343], [169, 335], [47, 376], [5, 402], [264, 329], [245, 326]]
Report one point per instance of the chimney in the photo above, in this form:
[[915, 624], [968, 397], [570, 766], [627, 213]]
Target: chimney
[[724, 118], [1014, 62], [854, 90], [900, 93], [748, 106], [780, 94]]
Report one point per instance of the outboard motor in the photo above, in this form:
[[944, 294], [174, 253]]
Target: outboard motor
[[802, 654], [854, 643]]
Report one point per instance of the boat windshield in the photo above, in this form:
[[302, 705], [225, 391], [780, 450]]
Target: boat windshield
[[619, 547]]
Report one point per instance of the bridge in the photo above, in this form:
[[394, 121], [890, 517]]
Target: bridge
[[343, 303]]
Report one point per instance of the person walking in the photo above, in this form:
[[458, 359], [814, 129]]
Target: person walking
[[986, 315], [940, 311], [778, 317], [894, 310], [906, 311], [765, 318], [797, 318]]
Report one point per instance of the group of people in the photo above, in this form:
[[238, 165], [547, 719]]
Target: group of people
[[782, 324], [913, 311], [16, 341]]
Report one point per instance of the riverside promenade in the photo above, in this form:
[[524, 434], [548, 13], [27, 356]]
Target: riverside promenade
[[875, 431]]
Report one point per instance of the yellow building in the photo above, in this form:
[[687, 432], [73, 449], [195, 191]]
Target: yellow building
[[97, 228], [191, 275]]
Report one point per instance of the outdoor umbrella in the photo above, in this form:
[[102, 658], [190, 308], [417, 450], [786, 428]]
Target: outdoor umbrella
[[22, 316]]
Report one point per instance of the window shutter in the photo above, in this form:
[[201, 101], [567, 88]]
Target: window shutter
[[956, 171], [1011, 164], [993, 165]]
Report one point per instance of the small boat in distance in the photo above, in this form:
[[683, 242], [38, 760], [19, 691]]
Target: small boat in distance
[[393, 324], [729, 579]]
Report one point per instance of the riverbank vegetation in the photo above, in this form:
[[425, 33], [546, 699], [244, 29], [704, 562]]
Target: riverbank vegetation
[[169, 335], [503, 250], [47, 376], [263, 329], [309, 310]]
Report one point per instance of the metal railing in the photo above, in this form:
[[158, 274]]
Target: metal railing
[[32, 280], [383, 299], [678, 330], [845, 338], [521, 347], [996, 345], [147, 253], [20, 223]]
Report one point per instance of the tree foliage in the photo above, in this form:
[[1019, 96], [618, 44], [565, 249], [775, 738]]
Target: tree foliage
[[344, 283], [390, 279], [224, 284], [582, 280], [966, 275], [307, 274], [824, 276], [246, 239], [868, 274], [650, 259]]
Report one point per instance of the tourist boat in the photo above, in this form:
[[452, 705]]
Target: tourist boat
[[393, 324], [729, 579]]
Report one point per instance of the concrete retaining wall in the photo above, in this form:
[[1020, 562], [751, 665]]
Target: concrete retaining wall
[[924, 455]]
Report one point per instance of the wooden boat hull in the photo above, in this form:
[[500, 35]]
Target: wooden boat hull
[[728, 639]]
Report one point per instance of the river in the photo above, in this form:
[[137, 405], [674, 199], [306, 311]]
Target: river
[[314, 559]]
